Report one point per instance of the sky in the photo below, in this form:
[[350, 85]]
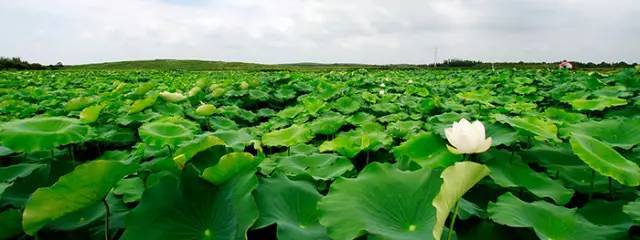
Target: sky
[[324, 31]]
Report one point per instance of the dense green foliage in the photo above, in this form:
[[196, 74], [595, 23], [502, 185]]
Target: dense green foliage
[[16, 63], [318, 155]]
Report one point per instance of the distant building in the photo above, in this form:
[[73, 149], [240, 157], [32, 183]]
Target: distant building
[[565, 64]]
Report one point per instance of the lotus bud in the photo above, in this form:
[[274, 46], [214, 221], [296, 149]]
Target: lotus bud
[[194, 91], [244, 85], [172, 97], [205, 110], [466, 137]]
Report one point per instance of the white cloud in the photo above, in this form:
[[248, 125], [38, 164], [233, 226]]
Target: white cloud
[[277, 31]]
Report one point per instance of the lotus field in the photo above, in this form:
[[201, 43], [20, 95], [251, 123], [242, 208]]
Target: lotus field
[[362, 154]]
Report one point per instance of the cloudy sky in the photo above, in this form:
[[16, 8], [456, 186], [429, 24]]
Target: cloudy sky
[[283, 31]]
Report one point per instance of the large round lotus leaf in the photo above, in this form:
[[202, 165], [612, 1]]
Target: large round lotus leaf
[[563, 117], [42, 133], [382, 201], [540, 128], [292, 205], [229, 166], [91, 114], [143, 104], [78, 103], [10, 224], [501, 134], [360, 118], [188, 150], [258, 95], [4, 151], [403, 129], [347, 104], [295, 134], [510, 171], [614, 210], [84, 186], [457, 180], [320, 166], [560, 160], [290, 112], [161, 133], [191, 208], [130, 188], [328, 124], [10, 173], [349, 144], [622, 133], [312, 104], [633, 210], [605, 160], [426, 149], [222, 123], [597, 104], [547, 220], [236, 139]]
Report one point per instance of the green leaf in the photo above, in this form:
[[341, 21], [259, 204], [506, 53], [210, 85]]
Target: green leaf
[[292, 205], [189, 149], [382, 201], [426, 149], [547, 220], [457, 180], [91, 114], [513, 172], [142, 104], [191, 208], [160, 133], [295, 134], [84, 186], [130, 188], [605, 160], [320, 166], [622, 133], [328, 124], [10, 224], [347, 105], [597, 104], [41, 133], [236, 139], [633, 210], [540, 128], [10, 173], [229, 166]]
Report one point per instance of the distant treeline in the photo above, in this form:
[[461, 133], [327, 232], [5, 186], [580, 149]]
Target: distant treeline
[[461, 63], [203, 65], [15, 63]]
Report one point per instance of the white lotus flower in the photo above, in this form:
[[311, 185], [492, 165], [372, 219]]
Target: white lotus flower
[[410, 81], [381, 92], [466, 137], [382, 85], [172, 97]]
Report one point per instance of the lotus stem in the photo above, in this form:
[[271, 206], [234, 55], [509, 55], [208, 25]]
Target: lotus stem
[[367, 159], [453, 220], [170, 151], [106, 219], [73, 155]]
